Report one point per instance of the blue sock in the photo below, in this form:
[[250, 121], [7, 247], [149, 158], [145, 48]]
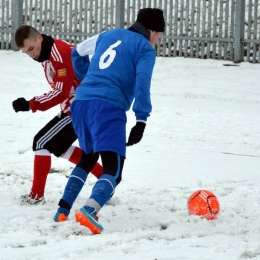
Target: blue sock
[[103, 189], [74, 185]]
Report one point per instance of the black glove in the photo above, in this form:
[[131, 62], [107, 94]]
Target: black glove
[[20, 104], [136, 133]]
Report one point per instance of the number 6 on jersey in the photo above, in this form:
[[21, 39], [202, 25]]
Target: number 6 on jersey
[[109, 52]]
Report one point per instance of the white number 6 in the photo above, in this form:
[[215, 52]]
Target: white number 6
[[109, 52]]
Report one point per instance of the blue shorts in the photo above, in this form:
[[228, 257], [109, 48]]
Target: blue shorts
[[100, 126]]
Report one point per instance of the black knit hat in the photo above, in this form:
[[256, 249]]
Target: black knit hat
[[152, 19]]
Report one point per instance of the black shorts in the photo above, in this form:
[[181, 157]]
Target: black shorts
[[57, 136]]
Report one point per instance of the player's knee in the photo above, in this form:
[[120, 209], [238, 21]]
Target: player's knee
[[88, 161], [113, 165]]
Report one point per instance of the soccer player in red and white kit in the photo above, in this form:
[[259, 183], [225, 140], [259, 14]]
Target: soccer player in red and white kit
[[57, 136]]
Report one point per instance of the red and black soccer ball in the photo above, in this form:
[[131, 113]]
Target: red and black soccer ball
[[203, 203]]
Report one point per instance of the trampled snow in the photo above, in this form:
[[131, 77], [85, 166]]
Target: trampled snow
[[203, 133]]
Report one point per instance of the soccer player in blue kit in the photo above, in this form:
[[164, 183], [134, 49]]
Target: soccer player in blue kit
[[120, 71]]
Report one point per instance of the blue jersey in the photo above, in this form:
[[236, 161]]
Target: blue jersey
[[120, 70]]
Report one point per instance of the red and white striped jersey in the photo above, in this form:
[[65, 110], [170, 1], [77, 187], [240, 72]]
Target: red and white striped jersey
[[60, 75]]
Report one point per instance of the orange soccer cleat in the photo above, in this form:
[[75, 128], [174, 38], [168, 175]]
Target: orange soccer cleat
[[60, 217], [88, 220]]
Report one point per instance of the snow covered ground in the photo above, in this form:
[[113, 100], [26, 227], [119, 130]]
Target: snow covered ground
[[201, 111]]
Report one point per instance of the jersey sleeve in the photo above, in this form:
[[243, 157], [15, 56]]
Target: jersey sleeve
[[80, 56], [142, 106], [80, 64]]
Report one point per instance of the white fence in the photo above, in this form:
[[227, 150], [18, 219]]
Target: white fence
[[217, 29]]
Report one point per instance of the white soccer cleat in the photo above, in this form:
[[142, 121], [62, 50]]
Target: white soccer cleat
[[29, 201]]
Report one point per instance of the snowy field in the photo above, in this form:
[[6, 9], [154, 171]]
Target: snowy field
[[202, 110]]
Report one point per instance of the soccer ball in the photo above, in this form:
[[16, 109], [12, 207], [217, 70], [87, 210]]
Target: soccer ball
[[203, 203]]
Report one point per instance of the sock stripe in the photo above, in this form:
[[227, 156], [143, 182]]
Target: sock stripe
[[42, 152], [68, 153], [118, 166], [109, 183], [77, 177]]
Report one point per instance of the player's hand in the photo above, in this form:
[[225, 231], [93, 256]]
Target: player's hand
[[136, 133], [20, 104]]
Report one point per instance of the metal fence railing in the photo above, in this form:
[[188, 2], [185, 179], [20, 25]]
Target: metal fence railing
[[217, 29]]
